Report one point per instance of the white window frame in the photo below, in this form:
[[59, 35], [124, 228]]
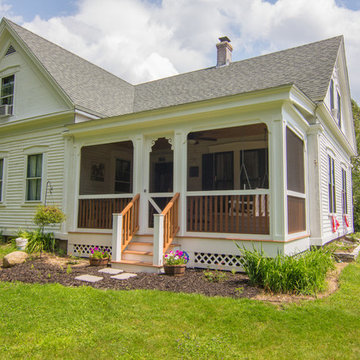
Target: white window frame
[[344, 194], [7, 96], [331, 182], [3, 157], [35, 150], [2, 175]]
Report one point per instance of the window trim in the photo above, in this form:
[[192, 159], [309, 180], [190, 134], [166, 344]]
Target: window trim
[[2, 175], [331, 185], [12, 95], [34, 150], [332, 94], [27, 178], [3, 156], [344, 192]]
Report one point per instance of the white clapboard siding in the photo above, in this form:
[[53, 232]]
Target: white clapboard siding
[[15, 213], [328, 146]]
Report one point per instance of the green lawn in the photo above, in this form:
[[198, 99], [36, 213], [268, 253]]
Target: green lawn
[[6, 249], [55, 322]]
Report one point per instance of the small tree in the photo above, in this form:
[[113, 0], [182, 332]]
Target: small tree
[[48, 215], [45, 216]]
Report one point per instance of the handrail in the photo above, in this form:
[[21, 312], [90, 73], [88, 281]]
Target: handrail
[[130, 221], [171, 222]]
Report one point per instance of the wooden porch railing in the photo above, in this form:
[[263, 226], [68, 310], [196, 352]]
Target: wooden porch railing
[[242, 214], [130, 221], [96, 213], [171, 221]]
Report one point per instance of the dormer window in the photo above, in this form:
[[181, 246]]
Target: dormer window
[[7, 95]]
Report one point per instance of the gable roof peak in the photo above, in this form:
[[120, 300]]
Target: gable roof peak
[[88, 86]]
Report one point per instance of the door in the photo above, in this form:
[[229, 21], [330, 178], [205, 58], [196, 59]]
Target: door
[[160, 181]]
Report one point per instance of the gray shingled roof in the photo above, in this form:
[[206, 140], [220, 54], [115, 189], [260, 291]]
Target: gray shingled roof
[[309, 67], [86, 84]]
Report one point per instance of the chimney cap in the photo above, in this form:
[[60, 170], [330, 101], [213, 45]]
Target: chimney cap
[[224, 38]]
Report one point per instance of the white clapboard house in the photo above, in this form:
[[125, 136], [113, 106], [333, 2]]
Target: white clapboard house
[[255, 151]]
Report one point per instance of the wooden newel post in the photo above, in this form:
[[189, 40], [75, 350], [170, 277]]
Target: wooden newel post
[[158, 252], [117, 237]]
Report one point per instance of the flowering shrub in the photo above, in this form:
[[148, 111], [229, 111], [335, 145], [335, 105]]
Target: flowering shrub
[[176, 258], [96, 253]]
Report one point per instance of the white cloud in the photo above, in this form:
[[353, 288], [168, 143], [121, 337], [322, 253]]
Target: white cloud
[[139, 40]]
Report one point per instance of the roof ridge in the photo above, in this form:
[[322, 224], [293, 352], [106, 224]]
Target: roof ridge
[[11, 23]]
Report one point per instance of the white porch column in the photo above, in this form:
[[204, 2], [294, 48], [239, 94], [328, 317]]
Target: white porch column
[[278, 181], [116, 237], [180, 175], [139, 176], [76, 176], [158, 239]]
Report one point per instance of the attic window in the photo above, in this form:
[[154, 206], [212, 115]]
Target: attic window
[[10, 50]]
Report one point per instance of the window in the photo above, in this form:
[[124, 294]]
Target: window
[[33, 177], [339, 109], [332, 202], [218, 171], [332, 105], [122, 176], [7, 92], [1, 178], [344, 192]]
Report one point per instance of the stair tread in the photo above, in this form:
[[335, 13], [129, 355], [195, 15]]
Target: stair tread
[[135, 262], [137, 252], [140, 243]]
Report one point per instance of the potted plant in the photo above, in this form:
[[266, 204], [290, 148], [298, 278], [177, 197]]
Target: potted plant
[[175, 263], [99, 257]]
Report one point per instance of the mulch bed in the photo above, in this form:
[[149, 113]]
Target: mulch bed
[[44, 271], [53, 269]]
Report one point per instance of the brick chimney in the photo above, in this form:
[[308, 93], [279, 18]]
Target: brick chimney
[[224, 50]]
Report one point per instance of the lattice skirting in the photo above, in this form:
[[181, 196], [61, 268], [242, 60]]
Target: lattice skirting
[[83, 250], [216, 261]]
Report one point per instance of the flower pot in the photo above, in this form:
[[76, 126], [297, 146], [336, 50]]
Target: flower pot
[[98, 262], [21, 243], [175, 270]]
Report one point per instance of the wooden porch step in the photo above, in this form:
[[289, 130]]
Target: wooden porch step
[[142, 243], [136, 252]]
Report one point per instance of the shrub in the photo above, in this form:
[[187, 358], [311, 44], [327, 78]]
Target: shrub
[[301, 274], [39, 241]]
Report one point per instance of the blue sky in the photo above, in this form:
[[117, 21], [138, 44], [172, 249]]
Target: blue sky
[[49, 8], [141, 40]]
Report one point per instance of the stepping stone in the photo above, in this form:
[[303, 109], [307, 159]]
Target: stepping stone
[[89, 278], [111, 271], [123, 276]]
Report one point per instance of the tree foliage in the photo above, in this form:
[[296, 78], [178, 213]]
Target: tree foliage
[[356, 168]]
